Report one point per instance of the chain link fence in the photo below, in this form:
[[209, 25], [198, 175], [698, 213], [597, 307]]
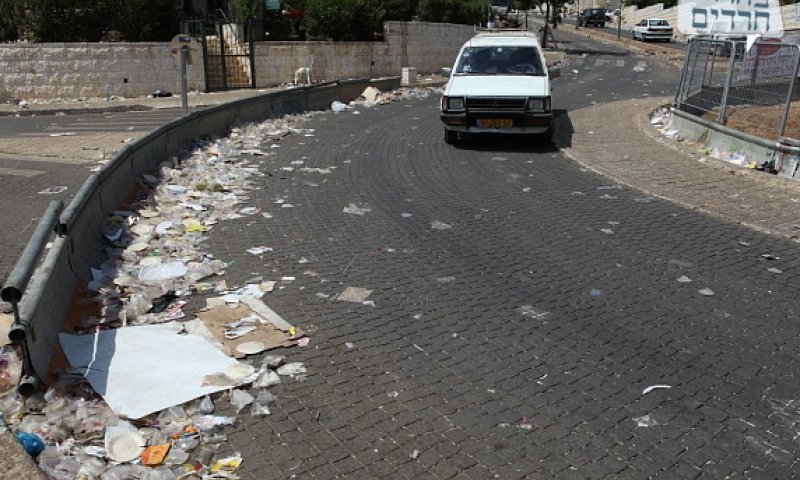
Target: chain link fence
[[755, 91]]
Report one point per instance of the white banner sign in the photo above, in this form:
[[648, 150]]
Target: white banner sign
[[770, 59], [734, 17]]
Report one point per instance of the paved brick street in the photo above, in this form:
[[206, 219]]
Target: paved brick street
[[516, 343]]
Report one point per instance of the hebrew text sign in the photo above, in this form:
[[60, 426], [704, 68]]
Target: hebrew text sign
[[733, 17]]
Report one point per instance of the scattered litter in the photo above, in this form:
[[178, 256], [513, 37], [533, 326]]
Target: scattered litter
[[415, 454], [606, 196], [291, 369], [353, 295], [743, 243], [437, 225], [349, 345], [354, 209], [227, 464], [337, 107], [303, 342], [287, 280], [769, 256], [63, 134], [654, 387], [530, 312], [706, 292], [524, 424], [596, 292], [252, 347], [405, 215], [774, 270], [645, 421], [684, 279], [449, 279], [53, 190], [526, 189], [259, 250], [607, 231]]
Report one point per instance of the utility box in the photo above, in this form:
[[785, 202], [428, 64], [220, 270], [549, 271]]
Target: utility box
[[409, 76]]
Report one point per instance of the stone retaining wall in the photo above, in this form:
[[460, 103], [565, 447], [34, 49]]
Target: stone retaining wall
[[79, 70], [426, 46]]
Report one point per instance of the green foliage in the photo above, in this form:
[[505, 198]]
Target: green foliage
[[343, 19], [469, 12], [401, 10], [247, 10], [89, 21], [8, 26]]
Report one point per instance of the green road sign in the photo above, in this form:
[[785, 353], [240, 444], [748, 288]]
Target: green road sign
[[272, 4]]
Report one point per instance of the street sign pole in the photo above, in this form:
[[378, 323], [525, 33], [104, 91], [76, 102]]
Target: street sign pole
[[184, 82], [619, 21]]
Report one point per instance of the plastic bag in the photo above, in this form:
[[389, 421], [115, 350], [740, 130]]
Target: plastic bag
[[240, 399], [267, 378]]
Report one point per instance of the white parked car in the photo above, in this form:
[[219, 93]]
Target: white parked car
[[652, 29], [499, 83]]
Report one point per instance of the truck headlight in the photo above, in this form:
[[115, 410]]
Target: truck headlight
[[541, 104], [455, 103]]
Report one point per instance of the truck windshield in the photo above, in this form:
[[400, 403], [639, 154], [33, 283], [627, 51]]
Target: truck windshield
[[500, 60]]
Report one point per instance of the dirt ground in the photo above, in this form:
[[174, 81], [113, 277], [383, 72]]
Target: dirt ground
[[761, 121]]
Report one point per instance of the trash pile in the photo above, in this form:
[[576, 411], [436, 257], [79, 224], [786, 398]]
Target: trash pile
[[140, 395], [661, 120], [148, 389]]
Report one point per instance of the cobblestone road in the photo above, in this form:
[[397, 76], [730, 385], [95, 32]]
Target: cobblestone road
[[521, 307]]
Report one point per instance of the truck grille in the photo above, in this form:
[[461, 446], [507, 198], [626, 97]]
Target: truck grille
[[495, 103]]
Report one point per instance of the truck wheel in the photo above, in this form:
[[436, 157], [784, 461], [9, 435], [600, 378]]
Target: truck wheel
[[450, 137]]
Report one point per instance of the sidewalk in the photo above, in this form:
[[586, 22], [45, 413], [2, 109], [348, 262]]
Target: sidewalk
[[645, 160]]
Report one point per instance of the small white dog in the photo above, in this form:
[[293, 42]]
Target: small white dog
[[302, 75]]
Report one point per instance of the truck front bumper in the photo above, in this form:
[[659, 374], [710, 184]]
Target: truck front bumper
[[498, 122]]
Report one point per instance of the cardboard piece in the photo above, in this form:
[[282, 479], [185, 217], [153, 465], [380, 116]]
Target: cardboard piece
[[6, 320], [271, 336]]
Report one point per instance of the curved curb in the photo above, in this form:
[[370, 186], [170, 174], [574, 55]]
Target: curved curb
[[588, 164]]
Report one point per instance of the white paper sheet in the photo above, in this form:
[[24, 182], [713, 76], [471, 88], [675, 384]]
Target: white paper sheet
[[141, 370]]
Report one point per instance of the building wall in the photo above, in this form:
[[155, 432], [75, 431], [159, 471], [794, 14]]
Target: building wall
[[82, 70]]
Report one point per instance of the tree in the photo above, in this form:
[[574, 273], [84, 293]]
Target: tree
[[400, 10], [469, 12], [343, 19]]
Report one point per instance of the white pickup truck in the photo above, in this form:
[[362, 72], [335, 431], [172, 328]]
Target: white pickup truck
[[499, 83]]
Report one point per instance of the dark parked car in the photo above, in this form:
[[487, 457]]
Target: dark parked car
[[592, 16]]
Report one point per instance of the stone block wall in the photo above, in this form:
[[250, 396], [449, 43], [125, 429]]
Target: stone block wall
[[426, 46], [82, 70]]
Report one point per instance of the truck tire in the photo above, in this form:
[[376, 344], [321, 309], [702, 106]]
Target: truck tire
[[450, 137]]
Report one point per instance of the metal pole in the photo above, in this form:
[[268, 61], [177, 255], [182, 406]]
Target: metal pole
[[724, 101], [790, 93], [546, 25], [19, 277], [184, 82], [682, 81], [619, 21]]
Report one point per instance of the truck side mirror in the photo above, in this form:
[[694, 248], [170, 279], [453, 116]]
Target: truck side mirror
[[446, 71]]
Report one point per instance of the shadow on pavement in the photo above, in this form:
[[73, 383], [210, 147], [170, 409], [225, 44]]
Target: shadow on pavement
[[562, 129]]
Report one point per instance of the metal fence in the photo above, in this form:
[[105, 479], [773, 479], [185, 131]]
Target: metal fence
[[756, 90]]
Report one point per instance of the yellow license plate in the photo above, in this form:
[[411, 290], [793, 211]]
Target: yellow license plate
[[495, 122]]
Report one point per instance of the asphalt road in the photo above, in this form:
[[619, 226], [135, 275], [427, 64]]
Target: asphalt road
[[522, 308], [611, 28]]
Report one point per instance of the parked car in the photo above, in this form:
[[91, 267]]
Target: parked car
[[652, 29], [592, 16], [499, 83], [611, 16]]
